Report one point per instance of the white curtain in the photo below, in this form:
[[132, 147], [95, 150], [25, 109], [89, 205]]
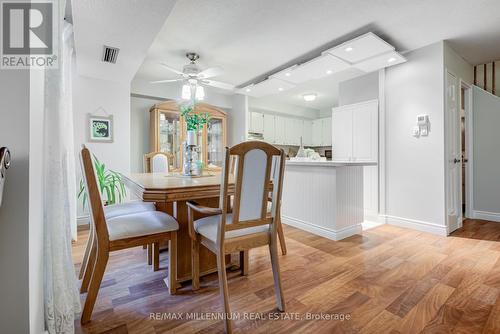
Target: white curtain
[[62, 300]]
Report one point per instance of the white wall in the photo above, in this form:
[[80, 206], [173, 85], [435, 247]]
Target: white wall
[[458, 66], [415, 166], [139, 130], [237, 120], [14, 212], [486, 157], [89, 95]]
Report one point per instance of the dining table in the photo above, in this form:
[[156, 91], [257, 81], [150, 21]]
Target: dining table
[[171, 191]]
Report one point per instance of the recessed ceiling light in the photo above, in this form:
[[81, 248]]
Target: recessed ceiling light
[[280, 89], [309, 97], [248, 89], [391, 60], [329, 72], [288, 74], [348, 49]]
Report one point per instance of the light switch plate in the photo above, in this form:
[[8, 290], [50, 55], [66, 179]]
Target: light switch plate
[[416, 131]]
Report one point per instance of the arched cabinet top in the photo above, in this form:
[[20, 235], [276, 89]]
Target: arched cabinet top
[[198, 108]]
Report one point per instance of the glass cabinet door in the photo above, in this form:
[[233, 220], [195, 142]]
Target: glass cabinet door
[[169, 137], [215, 143]]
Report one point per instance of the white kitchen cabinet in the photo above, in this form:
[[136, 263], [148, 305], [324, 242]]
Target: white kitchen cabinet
[[316, 132], [290, 134], [279, 127], [269, 129], [307, 132], [342, 135], [256, 122], [326, 131], [355, 132]]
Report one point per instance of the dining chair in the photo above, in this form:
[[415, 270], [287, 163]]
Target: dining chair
[[158, 162], [120, 232], [249, 225], [279, 225], [112, 211]]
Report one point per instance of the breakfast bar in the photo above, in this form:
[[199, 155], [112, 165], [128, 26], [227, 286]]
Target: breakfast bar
[[324, 198]]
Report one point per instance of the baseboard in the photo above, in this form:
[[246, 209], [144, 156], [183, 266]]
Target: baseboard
[[416, 225], [484, 215], [322, 231], [83, 220], [369, 224], [371, 216]]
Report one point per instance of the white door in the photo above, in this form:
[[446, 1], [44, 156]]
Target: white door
[[257, 122], [453, 154], [326, 131], [365, 132], [316, 132], [269, 131], [342, 135], [279, 127], [307, 133]]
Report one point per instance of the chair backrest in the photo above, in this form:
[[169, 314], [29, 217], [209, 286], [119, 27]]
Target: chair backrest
[[157, 162], [252, 180], [97, 217]]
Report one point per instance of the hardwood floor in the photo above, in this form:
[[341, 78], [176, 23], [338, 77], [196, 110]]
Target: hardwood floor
[[388, 280]]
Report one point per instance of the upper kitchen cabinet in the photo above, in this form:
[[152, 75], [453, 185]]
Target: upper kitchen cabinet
[[355, 132], [307, 132], [322, 132], [269, 129], [256, 122]]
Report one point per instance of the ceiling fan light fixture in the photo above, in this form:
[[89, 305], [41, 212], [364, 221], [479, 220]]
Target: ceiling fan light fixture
[[200, 93], [186, 92]]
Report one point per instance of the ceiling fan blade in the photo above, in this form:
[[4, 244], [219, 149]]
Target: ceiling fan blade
[[218, 84], [171, 69], [210, 72], [163, 81]]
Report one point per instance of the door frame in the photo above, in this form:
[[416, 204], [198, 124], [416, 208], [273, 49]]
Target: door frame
[[469, 138]]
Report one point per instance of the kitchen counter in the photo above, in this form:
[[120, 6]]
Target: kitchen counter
[[328, 163], [324, 201]]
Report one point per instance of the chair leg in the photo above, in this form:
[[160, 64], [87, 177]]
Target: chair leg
[[89, 269], [195, 264], [95, 284], [172, 263], [150, 254], [156, 256], [244, 263], [281, 235], [221, 267], [273, 249], [88, 247]]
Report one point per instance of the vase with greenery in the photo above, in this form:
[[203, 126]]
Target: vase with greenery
[[194, 123], [110, 185]]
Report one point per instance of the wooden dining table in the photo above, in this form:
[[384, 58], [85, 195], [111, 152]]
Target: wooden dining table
[[170, 192]]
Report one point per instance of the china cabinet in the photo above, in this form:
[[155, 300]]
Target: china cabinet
[[168, 132]]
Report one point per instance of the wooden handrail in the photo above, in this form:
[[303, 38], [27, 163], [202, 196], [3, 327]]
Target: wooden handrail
[[4, 165]]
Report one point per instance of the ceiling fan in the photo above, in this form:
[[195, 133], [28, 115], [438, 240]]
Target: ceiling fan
[[193, 75]]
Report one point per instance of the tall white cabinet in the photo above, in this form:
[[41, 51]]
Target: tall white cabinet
[[355, 132]]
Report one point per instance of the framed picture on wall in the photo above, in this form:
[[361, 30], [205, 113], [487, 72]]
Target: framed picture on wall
[[100, 129]]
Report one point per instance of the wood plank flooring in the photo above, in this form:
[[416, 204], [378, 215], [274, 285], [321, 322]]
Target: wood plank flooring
[[388, 280]]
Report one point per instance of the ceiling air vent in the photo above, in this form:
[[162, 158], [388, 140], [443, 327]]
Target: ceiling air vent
[[109, 54]]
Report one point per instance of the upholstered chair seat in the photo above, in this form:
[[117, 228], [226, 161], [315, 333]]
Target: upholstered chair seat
[[208, 228], [140, 224], [115, 210]]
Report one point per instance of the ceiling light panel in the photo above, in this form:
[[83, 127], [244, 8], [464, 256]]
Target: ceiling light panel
[[267, 87], [376, 63], [361, 48], [316, 68]]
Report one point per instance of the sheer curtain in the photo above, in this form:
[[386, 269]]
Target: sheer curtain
[[62, 300]]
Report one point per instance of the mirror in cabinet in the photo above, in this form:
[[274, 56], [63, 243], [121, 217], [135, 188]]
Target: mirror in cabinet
[[168, 132]]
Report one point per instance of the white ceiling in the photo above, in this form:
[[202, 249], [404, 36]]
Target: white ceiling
[[250, 39], [129, 25]]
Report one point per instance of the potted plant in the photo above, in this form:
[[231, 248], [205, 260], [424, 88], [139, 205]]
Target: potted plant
[[110, 184], [194, 123]]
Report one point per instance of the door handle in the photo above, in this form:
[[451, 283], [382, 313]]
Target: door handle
[[456, 160]]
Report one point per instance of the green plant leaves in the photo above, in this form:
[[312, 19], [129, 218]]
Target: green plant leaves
[[194, 122], [110, 183]]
